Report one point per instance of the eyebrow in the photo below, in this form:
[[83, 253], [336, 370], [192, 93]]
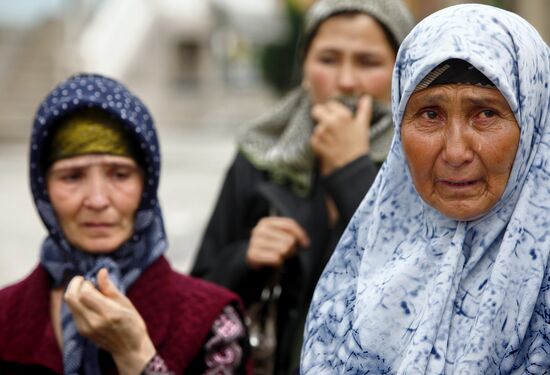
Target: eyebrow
[[484, 101], [117, 164], [429, 99], [364, 52], [472, 99]]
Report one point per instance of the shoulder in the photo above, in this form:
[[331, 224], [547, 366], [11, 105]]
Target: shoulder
[[241, 161], [10, 293], [179, 311], [242, 178], [20, 292], [243, 166], [160, 282], [10, 300], [22, 306], [201, 291]]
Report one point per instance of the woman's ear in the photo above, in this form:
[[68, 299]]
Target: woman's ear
[[305, 84]]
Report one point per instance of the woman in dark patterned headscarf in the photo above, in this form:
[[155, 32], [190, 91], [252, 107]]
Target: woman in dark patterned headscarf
[[303, 168], [103, 298]]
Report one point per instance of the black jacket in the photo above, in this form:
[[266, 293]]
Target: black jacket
[[246, 197]]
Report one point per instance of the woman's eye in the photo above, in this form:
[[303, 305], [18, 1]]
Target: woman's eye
[[487, 113], [71, 177], [327, 60], [121, 175], [368, 62], [429, 114]]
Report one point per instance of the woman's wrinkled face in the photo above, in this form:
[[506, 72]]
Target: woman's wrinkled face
[[95, 198], [349, 55], [460, 142]]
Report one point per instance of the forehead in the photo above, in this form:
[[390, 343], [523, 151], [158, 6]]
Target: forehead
[[359, 28], [447, 93], [84, 161]]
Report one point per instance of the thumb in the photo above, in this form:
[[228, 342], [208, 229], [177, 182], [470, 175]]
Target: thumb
[[364, 111], [106, 285]]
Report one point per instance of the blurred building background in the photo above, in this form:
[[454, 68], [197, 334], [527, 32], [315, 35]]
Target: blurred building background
[[202, 66]]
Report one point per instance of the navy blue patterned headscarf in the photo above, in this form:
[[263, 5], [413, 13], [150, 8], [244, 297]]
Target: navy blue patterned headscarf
[[148, 242]]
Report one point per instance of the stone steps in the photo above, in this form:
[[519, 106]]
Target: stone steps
[[27, 74]]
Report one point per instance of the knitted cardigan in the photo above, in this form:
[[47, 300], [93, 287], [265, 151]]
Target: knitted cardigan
[[178, 310]]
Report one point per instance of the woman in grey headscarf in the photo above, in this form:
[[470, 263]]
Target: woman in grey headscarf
[[303, 168]]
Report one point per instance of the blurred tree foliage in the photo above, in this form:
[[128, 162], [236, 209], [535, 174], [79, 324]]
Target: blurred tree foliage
[[504, 4], [279, 61]]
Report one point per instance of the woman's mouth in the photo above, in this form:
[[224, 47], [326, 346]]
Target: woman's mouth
[[459, 183], [458, 188], [97, 225]]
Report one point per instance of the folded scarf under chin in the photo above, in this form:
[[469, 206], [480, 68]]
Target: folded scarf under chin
[[279, 141]]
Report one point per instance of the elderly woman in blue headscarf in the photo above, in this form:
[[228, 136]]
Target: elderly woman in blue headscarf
[[103, 299], [444, 267]]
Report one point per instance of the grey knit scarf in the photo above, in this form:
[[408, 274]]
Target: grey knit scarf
[[279, 141]]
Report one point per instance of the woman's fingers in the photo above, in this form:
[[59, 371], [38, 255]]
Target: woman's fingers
[[77, 290], [94, 305], [285, 226], [266, 258], [331, 118], [105, 285], [84, 317], [331, 112], [74, 286], [363, 116], [273, 240], [82, 294], [108, 288], [106, 317], [339, 138]]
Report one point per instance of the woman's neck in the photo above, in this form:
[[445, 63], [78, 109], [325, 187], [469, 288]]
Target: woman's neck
[[56, 299]]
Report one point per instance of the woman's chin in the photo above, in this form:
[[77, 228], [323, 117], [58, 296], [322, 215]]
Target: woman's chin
[[463, 213], [99, 246]]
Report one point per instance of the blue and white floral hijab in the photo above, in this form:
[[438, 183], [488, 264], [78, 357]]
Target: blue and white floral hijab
[[148, 243], [409, 291]]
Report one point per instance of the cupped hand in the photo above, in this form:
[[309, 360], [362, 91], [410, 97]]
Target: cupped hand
[[274, 239], [339, 137], [108, 318]]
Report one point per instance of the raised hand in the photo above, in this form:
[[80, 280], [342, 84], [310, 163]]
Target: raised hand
[[273, 240], [339, 137], [108, 318]]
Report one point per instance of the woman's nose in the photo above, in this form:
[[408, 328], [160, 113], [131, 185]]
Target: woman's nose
[[97, 197], [347, 80], [457, 149]]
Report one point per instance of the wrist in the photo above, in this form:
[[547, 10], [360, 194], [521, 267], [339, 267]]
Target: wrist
[[329, 166], [134, 361]]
